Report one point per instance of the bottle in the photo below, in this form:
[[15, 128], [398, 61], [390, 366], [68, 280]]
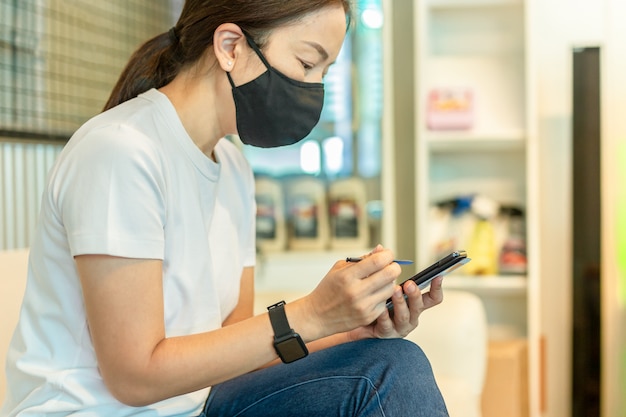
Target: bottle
[[307, 214], [347, 216], [440, 231], [271, 231], [482, 250], [461, 225], [482, 247], [513, 254]]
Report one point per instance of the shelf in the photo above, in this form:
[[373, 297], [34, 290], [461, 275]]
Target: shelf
[[460, 140], [475, 4], [301, 271], [492, 285], [483, 47]]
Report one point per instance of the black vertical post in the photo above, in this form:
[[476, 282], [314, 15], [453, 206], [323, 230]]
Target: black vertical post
[[586, 233]]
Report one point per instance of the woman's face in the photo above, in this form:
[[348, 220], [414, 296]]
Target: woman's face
[[304, 50]]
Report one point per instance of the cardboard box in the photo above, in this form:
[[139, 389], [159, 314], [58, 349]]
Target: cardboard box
[[506, 383]]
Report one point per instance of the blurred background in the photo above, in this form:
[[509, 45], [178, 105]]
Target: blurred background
[[493, 126]]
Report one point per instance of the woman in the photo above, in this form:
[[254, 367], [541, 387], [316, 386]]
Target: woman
[[140, 289]]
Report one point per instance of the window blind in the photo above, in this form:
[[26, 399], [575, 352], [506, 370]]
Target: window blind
[[59, 59]]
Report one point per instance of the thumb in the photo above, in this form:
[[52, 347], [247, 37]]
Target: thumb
[[378, 248]]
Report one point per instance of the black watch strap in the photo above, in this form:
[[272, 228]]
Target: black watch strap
[[288, 344], [279, 321]]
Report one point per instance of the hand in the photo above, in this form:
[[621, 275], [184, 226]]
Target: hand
[[405, 313], [353, 295]]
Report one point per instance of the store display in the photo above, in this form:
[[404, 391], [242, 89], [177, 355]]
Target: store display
[[270, 220], [492, 232], [307, 214], [512, 258], [304, 213], [348, 222], [450, 109], [451, 223]]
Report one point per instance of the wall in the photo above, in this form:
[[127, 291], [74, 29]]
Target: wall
[[614, 213], [23, 170], [559, 26], [76, 52], [398, 145], [551, 45]]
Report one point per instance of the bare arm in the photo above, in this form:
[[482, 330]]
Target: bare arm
[[245, 306], [124, 306]]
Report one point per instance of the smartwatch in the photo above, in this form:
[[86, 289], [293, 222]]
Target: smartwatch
[[288, 344]]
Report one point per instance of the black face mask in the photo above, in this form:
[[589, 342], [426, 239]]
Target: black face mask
[[274, 110]]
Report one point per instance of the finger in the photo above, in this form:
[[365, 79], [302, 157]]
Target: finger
[[378, 248], [384, 324], [376, 262], [401, 313], [435, 295], [382, 284], [414, 301]]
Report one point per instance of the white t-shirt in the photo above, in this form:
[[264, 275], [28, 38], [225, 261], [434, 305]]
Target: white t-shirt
[[129, 183]]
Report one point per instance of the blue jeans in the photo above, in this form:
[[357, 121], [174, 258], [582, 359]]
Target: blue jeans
[[366, 378]]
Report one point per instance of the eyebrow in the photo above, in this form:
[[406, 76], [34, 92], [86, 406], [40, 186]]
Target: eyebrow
[[319, 49]]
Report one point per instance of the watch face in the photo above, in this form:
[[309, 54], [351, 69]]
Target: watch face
[[292, 349]]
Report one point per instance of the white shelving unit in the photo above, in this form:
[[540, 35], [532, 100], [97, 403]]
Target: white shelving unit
[[477, 45], [490, 285], [481, 46]]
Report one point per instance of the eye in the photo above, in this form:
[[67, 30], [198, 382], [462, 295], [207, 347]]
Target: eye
[[306, 65]]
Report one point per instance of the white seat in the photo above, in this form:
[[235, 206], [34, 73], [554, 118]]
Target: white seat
[[454, 337], [13, 271]]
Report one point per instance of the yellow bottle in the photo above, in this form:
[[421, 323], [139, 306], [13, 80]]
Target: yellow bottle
[[482, 248]]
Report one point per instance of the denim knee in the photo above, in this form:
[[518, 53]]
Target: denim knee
[[390, 377], [403, 358], [403, 377]]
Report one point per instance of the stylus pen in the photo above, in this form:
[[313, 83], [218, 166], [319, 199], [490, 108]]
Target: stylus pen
[[398, 261]]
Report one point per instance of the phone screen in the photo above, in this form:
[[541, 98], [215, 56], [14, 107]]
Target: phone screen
[[442, 267]]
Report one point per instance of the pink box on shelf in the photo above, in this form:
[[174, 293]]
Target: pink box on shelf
[[450, 109]]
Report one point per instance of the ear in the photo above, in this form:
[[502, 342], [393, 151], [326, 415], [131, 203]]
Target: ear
[[228, 41]]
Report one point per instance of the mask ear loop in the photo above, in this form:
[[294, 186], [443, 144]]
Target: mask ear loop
[[232, 84], [256, 49]]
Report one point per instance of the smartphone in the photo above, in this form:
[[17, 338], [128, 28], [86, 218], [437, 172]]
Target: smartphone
[[442, 267]]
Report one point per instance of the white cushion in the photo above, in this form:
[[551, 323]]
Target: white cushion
[[454, 337], [460, 397]]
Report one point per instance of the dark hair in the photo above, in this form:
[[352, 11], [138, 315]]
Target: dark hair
[[160, 59]]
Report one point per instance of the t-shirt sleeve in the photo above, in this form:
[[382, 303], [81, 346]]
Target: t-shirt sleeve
[[109, 192]]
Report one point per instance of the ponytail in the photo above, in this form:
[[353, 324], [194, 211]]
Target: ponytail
[[153, 65]]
